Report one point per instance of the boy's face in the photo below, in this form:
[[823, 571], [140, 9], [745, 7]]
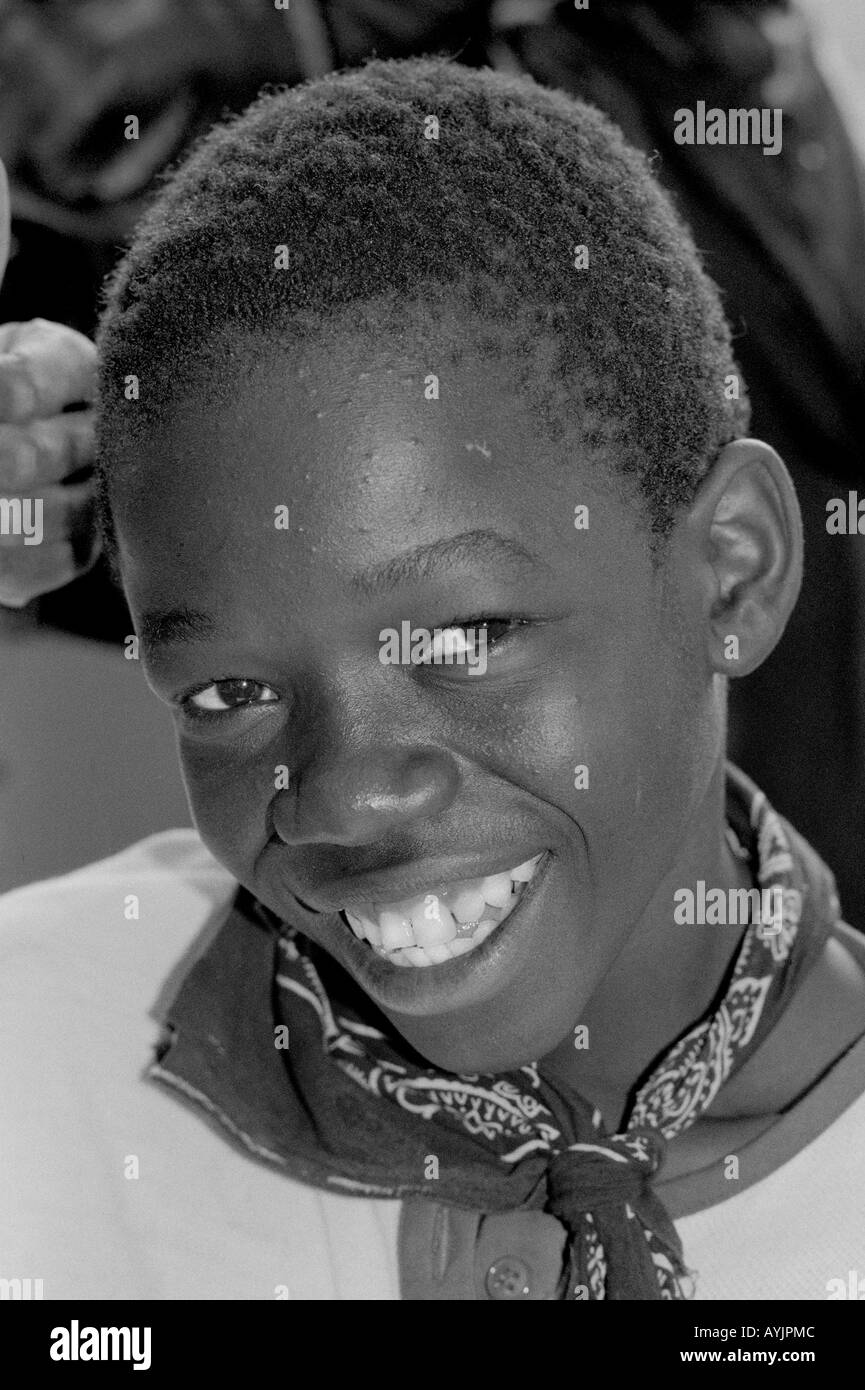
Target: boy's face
[[406, 781]]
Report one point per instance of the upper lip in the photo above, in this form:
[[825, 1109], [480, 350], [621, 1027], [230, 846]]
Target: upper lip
[[392, 886]]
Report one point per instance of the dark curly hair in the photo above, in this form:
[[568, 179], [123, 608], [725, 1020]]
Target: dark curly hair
[[381, 221]]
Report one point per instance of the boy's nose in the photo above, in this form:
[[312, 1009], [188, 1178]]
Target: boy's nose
[[355, 799]]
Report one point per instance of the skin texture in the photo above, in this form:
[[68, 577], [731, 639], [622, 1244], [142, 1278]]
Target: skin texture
[[619, 665]]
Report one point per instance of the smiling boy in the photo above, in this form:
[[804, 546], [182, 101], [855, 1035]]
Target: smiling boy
[[489, 380]]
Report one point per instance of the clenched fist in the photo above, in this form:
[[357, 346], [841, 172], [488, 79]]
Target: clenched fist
[[45, 368]]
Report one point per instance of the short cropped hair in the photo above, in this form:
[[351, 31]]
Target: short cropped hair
[[407, 185]]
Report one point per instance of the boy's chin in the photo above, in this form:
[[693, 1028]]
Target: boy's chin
[[467, 1048]]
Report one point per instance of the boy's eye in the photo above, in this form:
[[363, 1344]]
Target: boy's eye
[[460, 640], [224, 695]]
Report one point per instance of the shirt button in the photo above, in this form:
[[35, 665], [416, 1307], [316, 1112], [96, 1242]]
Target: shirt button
[[508, 1278]]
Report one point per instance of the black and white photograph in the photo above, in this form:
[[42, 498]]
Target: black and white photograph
[[432, 665]]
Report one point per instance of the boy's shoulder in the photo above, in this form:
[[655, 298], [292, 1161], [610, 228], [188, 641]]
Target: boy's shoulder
[[167, 853], [130, 914], [114, 1187]]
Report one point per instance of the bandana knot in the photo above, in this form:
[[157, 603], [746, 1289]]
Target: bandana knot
[[584, 1177]]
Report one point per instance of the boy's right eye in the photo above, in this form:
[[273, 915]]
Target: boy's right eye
[[223, 696]]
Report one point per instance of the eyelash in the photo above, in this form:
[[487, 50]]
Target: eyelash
[[192, 711]]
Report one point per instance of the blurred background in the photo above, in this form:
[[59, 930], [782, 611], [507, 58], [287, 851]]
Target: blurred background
[[87, 760]]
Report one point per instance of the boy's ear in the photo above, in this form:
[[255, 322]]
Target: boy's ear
[[744, 533]]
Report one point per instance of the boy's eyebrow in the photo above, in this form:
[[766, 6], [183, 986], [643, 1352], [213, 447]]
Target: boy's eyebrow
[[423, 560], [159, 629], [173, 625]]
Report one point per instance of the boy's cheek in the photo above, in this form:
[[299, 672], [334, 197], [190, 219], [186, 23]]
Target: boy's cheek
[[229, 802], [604, 756], [634, 769]]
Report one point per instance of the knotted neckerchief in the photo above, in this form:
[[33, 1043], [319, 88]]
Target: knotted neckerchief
[[380, 1114]]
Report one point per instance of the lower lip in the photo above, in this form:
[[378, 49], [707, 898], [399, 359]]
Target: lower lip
[[456, 983]]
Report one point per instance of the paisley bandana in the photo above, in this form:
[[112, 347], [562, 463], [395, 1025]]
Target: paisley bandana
[[348, 1105], [536, 1139]]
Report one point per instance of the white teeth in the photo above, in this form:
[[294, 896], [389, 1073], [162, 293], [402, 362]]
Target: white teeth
[[433, 923], [395, 930], [438, 954], [372, 929], [484, 930], [417, 955], [460, 946], [497, 890], [356, 924], [430, 928], [467, 904], [525, 871], [487, 913]]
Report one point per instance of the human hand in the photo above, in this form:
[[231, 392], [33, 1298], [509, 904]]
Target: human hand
[[47, 525]]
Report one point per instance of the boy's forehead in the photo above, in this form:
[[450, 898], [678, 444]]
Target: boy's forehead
[[358, 453], [338, 413], [343, 382]]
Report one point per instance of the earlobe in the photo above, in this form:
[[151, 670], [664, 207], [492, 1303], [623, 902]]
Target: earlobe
[[748, 525]]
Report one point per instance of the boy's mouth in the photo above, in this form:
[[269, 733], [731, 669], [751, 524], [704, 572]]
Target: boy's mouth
[[431, 928]]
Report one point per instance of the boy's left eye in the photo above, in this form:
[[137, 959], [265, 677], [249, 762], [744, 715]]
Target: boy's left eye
[[224, 695], [458, 639]]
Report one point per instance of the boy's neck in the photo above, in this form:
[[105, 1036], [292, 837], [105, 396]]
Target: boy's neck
[[665, 980]]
